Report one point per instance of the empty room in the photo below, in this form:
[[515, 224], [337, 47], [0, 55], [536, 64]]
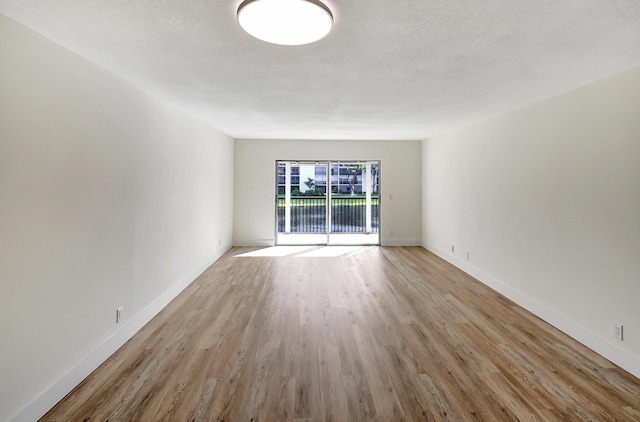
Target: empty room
[[319, 210]]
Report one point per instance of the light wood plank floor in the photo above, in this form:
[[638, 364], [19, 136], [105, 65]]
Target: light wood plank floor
[[376, 334]]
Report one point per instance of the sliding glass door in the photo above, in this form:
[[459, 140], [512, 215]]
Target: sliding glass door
[[327, 202]]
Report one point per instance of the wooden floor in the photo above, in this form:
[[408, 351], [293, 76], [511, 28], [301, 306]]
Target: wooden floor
[[376, 334]]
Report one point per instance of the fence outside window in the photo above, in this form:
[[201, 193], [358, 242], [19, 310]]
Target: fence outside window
[[348, 214]]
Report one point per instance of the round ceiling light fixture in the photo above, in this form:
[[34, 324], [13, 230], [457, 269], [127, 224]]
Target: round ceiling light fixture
[[285, 22]]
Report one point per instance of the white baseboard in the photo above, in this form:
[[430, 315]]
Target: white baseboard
[[401, 242], [608, 350], [58, 390], [255, 242], [385, 242]]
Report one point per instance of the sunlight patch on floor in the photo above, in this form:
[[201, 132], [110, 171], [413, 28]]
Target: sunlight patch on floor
[[304, 251], [276, 251]]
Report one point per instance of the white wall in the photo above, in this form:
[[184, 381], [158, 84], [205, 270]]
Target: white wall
[[255, 167], [546, 200], [108, 198]]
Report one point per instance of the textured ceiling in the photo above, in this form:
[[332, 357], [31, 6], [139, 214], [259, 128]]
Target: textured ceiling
[[403, 69]]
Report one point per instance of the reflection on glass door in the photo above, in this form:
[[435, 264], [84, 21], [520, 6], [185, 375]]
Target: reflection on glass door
[[320, 203]]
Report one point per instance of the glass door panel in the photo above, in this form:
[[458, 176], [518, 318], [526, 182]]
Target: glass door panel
[[301, 203], [354, 211]]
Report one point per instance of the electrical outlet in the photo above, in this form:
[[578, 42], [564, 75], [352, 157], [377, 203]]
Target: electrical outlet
[[119, 314], [453, 248], [467, 256], [618, 332]]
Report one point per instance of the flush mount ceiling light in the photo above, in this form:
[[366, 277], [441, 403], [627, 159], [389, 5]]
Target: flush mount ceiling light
[[285, 22]]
